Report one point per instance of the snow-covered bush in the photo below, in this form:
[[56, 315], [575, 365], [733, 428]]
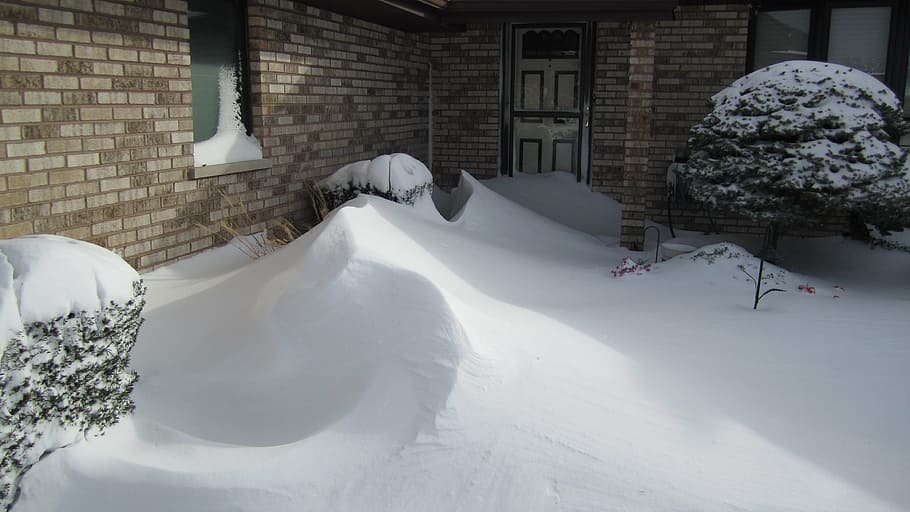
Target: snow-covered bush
[[797, 141], [398, 177], [69, 315]]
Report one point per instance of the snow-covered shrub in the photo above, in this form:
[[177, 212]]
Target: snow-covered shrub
[[797, 141], [398, 177], [69, 315], [726, 254]]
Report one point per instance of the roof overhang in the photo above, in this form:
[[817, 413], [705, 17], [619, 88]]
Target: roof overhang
[[472, 11], [448, 15]]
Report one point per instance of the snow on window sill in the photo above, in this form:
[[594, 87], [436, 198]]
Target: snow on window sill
[[208, 171]]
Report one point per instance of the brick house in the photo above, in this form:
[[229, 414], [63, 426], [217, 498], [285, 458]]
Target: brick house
[[105, 104]]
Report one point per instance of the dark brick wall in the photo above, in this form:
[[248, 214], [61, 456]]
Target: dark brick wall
[[466, 103], [330, 89], [611, 80], [638, 129], [699, 53]]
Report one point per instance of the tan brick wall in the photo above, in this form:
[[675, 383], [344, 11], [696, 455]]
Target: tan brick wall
[[96, 123], [96, 118], [466, 103]]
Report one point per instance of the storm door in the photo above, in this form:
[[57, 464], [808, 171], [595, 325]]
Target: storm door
[[547, 105]]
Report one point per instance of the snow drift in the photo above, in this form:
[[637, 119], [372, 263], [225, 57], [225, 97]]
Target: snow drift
[[391, 360]]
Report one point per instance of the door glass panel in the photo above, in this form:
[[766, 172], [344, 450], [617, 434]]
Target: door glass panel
[[859, 38], [544, 144], [780, 36]]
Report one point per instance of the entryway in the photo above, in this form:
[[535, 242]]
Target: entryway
[[547, 104]]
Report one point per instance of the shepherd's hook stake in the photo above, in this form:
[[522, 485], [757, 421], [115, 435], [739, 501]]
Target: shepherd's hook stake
[[656, 250]]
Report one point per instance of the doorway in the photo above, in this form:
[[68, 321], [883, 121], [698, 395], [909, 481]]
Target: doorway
[[547, 101]]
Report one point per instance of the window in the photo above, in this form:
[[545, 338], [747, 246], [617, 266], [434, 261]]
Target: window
[[873, 36], [858, 38], [780, 36], [905, 141], [218, 67]]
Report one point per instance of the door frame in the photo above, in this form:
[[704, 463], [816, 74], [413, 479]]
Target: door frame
[[586, 93]]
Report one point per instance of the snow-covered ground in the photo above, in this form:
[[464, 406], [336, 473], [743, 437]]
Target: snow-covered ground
[[393, 360]]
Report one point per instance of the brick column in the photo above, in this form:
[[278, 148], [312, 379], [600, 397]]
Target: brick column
[[637, 143]]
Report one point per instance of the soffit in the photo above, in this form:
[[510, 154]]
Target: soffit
[[447, 15]]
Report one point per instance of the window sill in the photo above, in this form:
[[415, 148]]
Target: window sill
[[210, 171]]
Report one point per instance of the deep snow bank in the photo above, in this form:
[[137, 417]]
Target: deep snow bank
[[310, 370], [392, 361], [564, 200]]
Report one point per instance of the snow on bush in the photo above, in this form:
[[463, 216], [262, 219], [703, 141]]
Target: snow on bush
[[734, 257], [798, 140], [69, 317], [398, 177]]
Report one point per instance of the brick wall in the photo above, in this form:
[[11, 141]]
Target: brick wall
[[466, 103], [329, 90], [96, 123], [96, 113], [611, 77], [695, 55], [638, 129], [699, 53]]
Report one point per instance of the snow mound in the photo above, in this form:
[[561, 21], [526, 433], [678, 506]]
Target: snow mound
[[304, 373], [399, 177], [729, 258], [563, 199], [45, 276], [390, 360], [519, 228]]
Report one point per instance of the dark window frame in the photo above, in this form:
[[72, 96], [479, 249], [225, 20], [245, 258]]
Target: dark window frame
[[819, 31]]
